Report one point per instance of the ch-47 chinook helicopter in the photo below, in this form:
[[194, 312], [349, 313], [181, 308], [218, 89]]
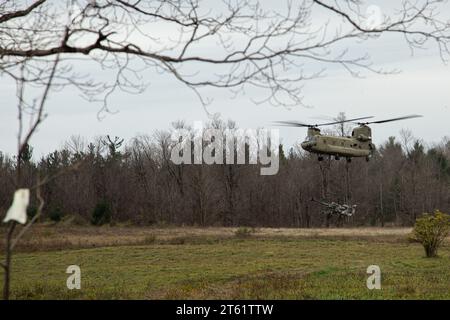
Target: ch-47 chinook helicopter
[[359, 144]]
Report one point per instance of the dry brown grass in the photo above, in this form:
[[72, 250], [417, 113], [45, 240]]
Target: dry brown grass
[[58, 237]]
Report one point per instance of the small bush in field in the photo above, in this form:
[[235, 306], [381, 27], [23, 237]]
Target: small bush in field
[[431, 230], [243, 232], [150, 239], [77, 220], [177, 240], [55, 215], [101, 214]]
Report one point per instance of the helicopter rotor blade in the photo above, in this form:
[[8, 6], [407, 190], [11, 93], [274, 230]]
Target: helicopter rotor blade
[[301, 124], [344, 121], [394, 119], [292, 124]]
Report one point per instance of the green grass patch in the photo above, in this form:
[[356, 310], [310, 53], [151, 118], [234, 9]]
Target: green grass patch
[[236, 268]]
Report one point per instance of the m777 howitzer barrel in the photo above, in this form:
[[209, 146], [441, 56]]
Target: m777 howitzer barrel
[[335, 208], [322, 203]]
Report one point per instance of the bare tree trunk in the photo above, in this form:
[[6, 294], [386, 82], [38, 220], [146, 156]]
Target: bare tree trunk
[[308, 219], [7, 265], [325, 170], [348, 196], [381, 204]]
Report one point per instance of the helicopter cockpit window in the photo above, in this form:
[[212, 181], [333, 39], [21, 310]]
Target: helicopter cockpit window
[[309, 138]]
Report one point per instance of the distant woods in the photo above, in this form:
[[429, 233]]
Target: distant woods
[[272, 51], [110, 180]]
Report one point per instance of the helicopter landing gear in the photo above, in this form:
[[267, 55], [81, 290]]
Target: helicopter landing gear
[[320, 158], [368, 158], [349, 160]]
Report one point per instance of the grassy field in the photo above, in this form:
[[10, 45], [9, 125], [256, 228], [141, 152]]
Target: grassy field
[[220, 263]]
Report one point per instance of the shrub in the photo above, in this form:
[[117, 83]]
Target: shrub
[[55, 215], [150, 239], [431, 230], [243, 232], [101, 214], [75, 220], [177, 241]]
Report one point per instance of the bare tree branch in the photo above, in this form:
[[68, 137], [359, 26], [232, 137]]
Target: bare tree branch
[[249, 44]]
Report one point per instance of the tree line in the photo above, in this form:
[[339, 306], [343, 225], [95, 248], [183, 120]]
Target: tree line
[[110, 181]]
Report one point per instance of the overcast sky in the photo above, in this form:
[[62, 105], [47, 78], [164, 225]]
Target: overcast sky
[[423, 87]]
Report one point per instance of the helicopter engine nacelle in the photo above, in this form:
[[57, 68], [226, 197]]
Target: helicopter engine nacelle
[[362, 133], [313, 132]]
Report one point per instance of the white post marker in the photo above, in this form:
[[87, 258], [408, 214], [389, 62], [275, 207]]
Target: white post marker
[[18, 210]]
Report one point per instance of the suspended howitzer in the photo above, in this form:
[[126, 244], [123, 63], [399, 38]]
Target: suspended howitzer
[[336, 208]]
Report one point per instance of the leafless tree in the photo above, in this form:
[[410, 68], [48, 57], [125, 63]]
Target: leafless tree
[[37, 115], [238, 45]]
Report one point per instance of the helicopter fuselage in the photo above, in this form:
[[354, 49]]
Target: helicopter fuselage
[[358, 145]]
